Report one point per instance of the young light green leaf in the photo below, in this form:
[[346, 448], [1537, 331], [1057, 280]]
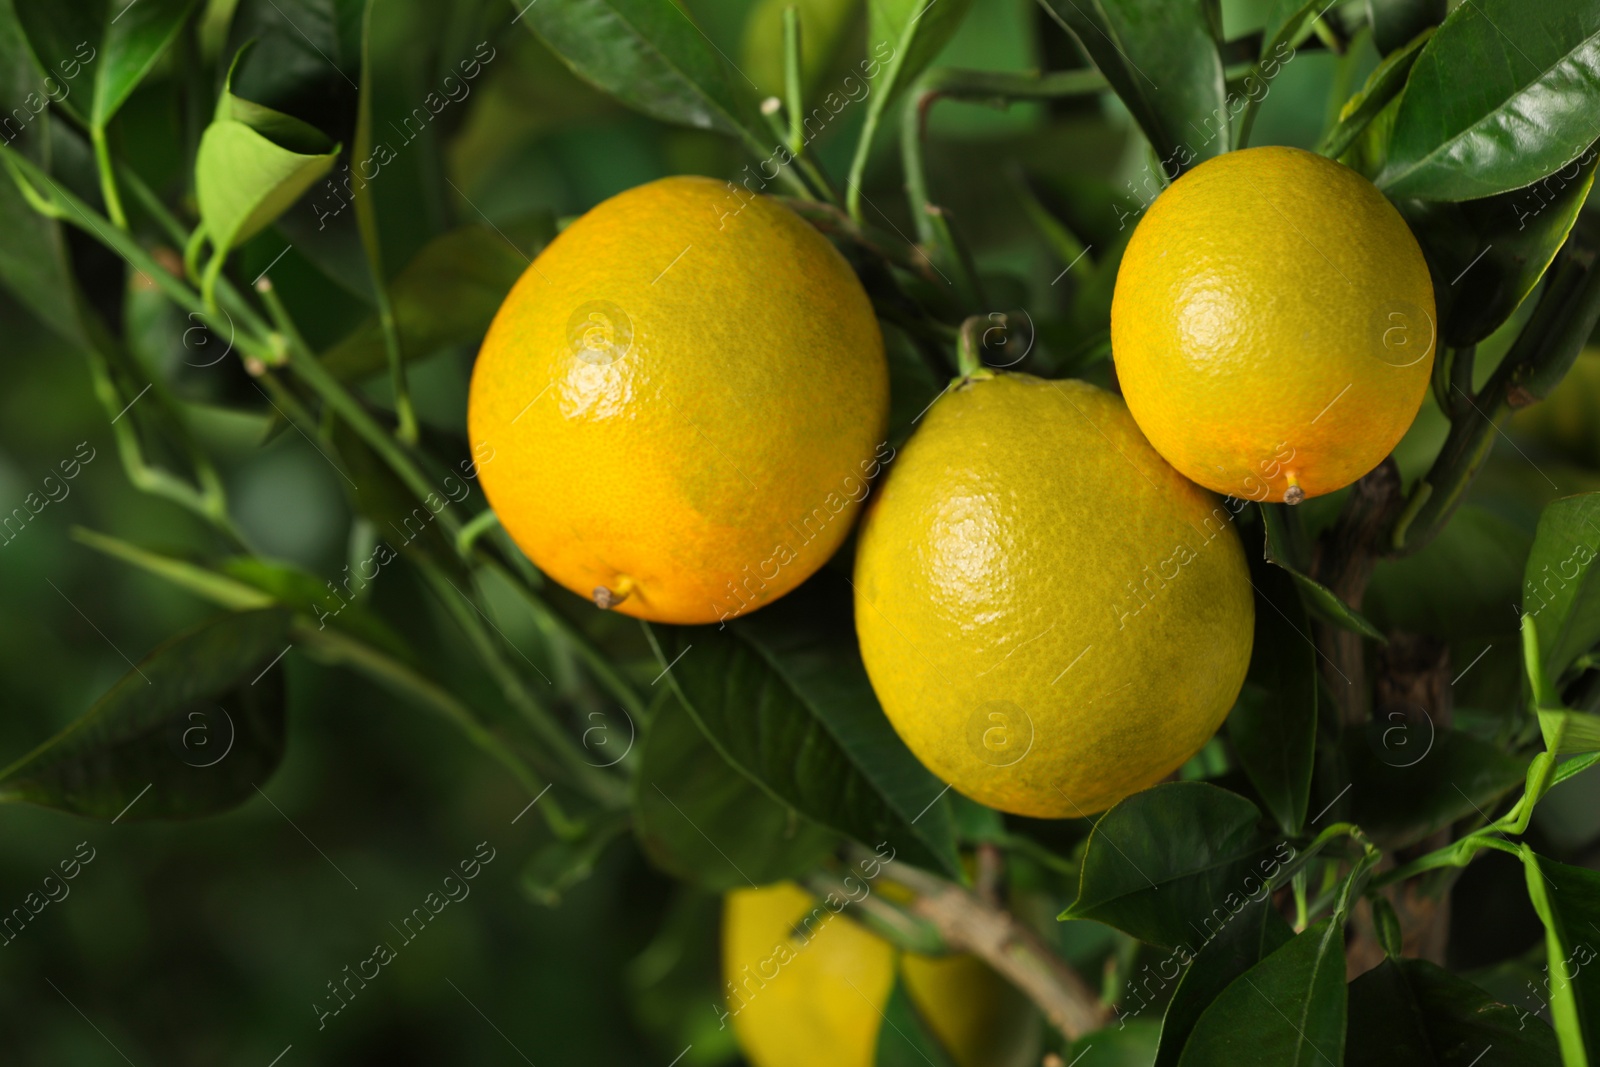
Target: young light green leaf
[[701, 820], [1171, 863], [1384, 84], [197, 724], [905, 35], [1567, 900], [1413, 1012], [1162, 61], [1273, 726], [1286, 1011], [243, 181], [1533, 72], [1561, 585], [784, 697]]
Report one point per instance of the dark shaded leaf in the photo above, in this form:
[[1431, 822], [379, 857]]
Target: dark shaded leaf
[[1568, 902], [199, 723], [1161, 863], [1394, 22], [134, 38], [1162, 61], [1273, 727], [784, 697], [700, 819], [1132, 1045], [1226, 953], [905, 1039], [1286, 1011], [1532, 71], [1409, 778], [561, 864], [1413, 1012], [1319, 599], [1458, 585], [1561, 585]]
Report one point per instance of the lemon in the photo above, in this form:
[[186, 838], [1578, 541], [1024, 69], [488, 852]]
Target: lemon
[[806, 987], [1052, 617], [679, 406], [1273, 325]]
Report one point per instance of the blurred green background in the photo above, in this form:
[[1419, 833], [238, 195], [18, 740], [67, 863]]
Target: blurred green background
[[211, 942]]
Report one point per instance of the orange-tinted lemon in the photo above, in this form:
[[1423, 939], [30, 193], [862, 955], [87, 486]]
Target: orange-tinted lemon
[[1273, 325], [679, 405], [806, 986], [1051, 616]]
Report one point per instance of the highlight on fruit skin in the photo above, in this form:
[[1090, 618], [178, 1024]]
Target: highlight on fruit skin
[[684, 400], [1051, 616], [1273, 325], [805, 986]]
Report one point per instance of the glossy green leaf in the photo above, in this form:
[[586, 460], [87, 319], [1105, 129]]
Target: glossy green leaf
[[1503, 95], [1286, 1011], [108, 46], [1396, 22], [557, 866], [68, 42], [1487, 255], [784, 697], [1567, 900], [1561, 585], [1209, 967], [650, 55], [1162, 61], [905, 1039], [1383, 85], [904, 36], [1409, 777], [700, 819], [1321, 601], [192, 730], [1273, 726], [1166, 864], [1413, 1012], [447, 295]]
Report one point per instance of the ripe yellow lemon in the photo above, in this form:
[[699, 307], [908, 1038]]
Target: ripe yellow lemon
[[1052, 617], [679, 405], [1273, 325], [805, 987]]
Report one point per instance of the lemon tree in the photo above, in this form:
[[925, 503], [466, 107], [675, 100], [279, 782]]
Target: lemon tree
[[962, 534]]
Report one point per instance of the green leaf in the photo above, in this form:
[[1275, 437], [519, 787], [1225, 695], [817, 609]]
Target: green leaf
[[199, 723], [1568, 733], [1226, 953], [1568, 902], [559, 865], [701, 820], [1409, 778], [1273, 727], [1289, 21], [1413, 1012], [1384, 84], [784, 697], [650, 55], [120, 41], [1162, 62], [1132, 1045], [1501, 96], [1163, 864], [1287, 1009], [905, 1039], [1561, 584], [1487, 255], [252, 164], [1321, 601], [447, 295], [1395, 22], [134, 39], [1458, 585], [905, 35]]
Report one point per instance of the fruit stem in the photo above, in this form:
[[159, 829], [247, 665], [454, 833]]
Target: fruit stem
[[605, 599], [969, 362]]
